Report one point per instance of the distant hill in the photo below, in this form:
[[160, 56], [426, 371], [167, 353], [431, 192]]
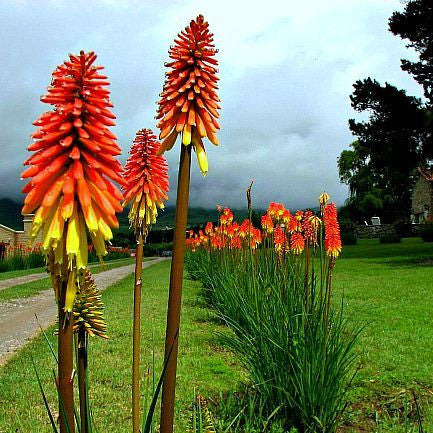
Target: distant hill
[[10, 214], [196, 216]]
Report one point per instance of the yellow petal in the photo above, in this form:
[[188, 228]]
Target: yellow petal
[[82, 253], [91, 219], [71, 290], [186, 134], [104, 228], [73, 236]]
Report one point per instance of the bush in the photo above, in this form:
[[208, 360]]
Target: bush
[[299, 357], [19, 258], [157, 249], [403, 229], [426, 232], [349, 238], [390, 239]]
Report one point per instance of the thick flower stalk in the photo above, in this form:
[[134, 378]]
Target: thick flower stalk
[[188, 107], [189, 102], [70, 189], [146, 180], [146, 187], [89, 321], [75, 156]]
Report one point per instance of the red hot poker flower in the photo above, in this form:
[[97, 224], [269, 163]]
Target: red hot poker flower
[[267, 223], [189, 103], [332, 231], [297, 243], [146, 180], [279, 240], [75, 155]]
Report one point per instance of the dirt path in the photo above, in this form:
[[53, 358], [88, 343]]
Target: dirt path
[[16, 281], [17, 318]]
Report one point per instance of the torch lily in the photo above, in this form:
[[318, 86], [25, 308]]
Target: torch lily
[[146, 186], [74, 158], [146, 180], [189, 102], [188, 107]]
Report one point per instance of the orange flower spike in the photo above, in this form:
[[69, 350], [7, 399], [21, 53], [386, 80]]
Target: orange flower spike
[[286, 217], [297, 243], [267, 224], [209, 229], [226, 217], [146, 180], [73, 146], [332, 231], [310, 231], [189, 103], [279, 240]]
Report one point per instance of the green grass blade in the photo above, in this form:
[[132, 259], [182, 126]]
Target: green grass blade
[[47, 407]]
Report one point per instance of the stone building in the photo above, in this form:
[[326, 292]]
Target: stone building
[[422, 196], [15, 237]]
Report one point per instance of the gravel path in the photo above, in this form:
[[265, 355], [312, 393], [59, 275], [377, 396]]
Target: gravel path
[[17, 318], [16, 281]]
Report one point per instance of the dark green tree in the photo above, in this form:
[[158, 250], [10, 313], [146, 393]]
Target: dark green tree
[[380, 167], [415, 24]]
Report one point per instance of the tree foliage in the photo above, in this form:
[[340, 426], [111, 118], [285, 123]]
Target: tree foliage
[[381, 164], [416, 24]]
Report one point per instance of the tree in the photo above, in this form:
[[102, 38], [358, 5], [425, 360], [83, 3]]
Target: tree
[[416, 24], [380, 167]]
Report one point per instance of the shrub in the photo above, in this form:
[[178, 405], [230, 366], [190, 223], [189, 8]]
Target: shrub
[[157, 249], [403, 229], [349, 238], [390, 239], [426, 232]]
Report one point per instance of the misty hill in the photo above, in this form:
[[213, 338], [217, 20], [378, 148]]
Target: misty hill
[[10, 215]]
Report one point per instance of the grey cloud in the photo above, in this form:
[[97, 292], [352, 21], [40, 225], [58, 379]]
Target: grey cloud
[[286, 73]]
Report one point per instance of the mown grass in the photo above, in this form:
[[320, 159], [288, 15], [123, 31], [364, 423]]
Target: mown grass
[[32, 288], [389, 288], [202, 364]]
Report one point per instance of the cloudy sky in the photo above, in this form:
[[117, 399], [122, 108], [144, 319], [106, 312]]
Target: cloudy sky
[[286, 70]]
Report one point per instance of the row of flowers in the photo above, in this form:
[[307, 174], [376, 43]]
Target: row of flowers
[[287, 232]]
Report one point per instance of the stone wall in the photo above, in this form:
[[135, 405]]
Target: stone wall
[[369, 232], [8, 235]]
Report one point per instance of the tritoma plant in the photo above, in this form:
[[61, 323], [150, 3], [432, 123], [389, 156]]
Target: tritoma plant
[[272, 287]]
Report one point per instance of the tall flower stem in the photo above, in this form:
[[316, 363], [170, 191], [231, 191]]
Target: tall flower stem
[[175, 293], [66, 365], [136, 335], [82, 379]]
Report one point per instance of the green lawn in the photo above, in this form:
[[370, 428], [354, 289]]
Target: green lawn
[[387, 288], [202, 364], [32, 288]]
